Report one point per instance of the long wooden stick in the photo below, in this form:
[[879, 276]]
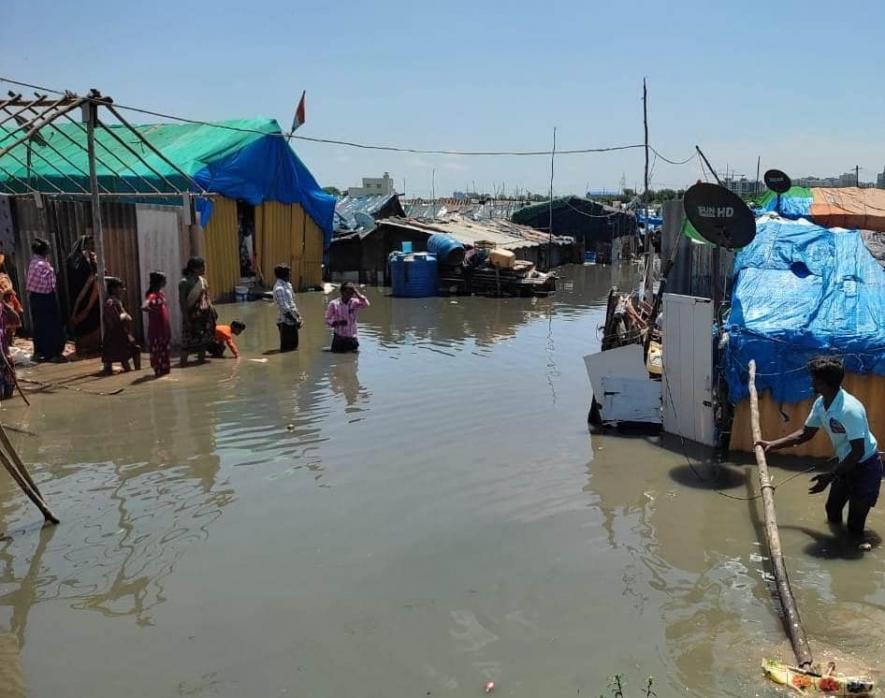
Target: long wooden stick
[[792, 621], [32, 495], [17, 461]]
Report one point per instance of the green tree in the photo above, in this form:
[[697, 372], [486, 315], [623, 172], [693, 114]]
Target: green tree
[[665, 194], [334, 191]]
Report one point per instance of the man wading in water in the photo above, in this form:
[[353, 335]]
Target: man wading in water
[[857, 477]]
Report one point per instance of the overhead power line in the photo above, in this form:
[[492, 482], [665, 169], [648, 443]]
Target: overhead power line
[[369, 146]]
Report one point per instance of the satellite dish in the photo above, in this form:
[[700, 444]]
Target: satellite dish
[[719, 215], [777, 181]]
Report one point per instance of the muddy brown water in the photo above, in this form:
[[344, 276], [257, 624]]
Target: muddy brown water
[[416, 520]]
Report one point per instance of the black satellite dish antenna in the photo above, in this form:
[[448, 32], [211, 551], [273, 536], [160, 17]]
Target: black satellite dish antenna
[[779, 182], [719, 215]]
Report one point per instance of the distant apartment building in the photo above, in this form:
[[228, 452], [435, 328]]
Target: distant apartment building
[[880, 179], [847, 179], [374, 186], [743, 186]]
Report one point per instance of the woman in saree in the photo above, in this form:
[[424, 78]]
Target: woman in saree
[[83, 292], [197, 312]]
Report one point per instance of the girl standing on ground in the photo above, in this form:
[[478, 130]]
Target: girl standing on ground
[[119, 346], [197, 312], [159, 326]]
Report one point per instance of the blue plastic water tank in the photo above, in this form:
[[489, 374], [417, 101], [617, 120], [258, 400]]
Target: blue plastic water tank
[[413, 275], [447, 249]]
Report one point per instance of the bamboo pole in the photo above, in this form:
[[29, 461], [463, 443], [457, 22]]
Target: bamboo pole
[[792, 622], [17, 461], [31, 494]]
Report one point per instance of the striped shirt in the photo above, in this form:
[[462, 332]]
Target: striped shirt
[[41, 275], [338, 310], [284, 297]]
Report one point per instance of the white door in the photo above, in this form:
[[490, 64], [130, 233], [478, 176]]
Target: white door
[[688, 368]]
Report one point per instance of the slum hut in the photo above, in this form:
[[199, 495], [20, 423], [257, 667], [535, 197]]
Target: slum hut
[[362, 255], [265, 209], [608, 231], [360, 212], [803, 290]]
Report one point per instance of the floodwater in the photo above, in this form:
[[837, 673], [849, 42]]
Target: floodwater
[[416, 520]]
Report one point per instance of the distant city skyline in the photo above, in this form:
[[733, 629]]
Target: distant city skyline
[[457, 77]]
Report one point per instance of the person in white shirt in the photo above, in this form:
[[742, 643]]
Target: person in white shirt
[[289, 320], [857, 477]]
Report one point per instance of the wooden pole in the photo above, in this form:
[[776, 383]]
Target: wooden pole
[[4, 439], [649, 249], [26, 488], [792, 622], [550, 206], [91, 112]]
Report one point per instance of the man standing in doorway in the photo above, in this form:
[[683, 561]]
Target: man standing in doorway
[[857, 477]]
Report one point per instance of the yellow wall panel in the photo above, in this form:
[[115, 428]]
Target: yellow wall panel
[[312, 262], [222, 248], [870, 390]]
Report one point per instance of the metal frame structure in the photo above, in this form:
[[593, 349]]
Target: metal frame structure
[[35, 124]]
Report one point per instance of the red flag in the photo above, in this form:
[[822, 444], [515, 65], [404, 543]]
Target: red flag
[[300, 114]]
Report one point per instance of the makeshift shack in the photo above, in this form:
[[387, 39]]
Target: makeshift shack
[[848, 207], [609, 231], [246, 165], [360, 212], [801, 290], [363, 255]]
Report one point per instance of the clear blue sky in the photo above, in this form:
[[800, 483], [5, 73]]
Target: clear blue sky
[[799, 83]]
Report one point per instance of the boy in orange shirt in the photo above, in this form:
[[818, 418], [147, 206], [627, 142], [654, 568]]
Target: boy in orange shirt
[[224, 336]]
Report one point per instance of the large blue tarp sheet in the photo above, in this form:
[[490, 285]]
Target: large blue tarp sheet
[[800, 291]]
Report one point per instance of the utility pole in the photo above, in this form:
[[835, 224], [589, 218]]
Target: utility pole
[[857, 175], [756, 185], [649, 250], [550, 206], [433, 186]]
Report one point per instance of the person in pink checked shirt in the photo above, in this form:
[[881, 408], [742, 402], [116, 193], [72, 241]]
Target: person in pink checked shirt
[[341, 318], [49, 338]]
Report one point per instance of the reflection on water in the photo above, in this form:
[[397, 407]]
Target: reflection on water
[[418, 518]]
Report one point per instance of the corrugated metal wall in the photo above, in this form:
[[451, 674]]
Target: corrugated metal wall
[[312, 261], [692, 273], [284, 234], [869, 389], [61, 223], [120, 233], [163, 245], [222, 243], [278, 239]]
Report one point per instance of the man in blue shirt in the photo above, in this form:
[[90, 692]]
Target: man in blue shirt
[[858, 475]]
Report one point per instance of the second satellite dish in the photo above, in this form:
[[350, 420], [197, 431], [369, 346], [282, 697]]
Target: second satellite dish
[[777, 181], [719, 215]]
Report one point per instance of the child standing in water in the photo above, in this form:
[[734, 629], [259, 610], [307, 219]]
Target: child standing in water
[[159, 326], [119, 345]]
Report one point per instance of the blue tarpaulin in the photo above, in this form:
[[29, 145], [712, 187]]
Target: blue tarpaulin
[[801, 290]]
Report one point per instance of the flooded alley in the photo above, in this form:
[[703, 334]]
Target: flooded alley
[[415, 520]]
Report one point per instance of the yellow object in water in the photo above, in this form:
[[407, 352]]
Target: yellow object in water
[[807, 682], [654, 360]]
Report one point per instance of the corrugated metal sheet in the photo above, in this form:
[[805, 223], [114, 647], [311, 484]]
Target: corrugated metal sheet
[[279, 239], [778, 419], [120, 234], [163, 245], [312, 260], [58, 222], [222, 246]]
